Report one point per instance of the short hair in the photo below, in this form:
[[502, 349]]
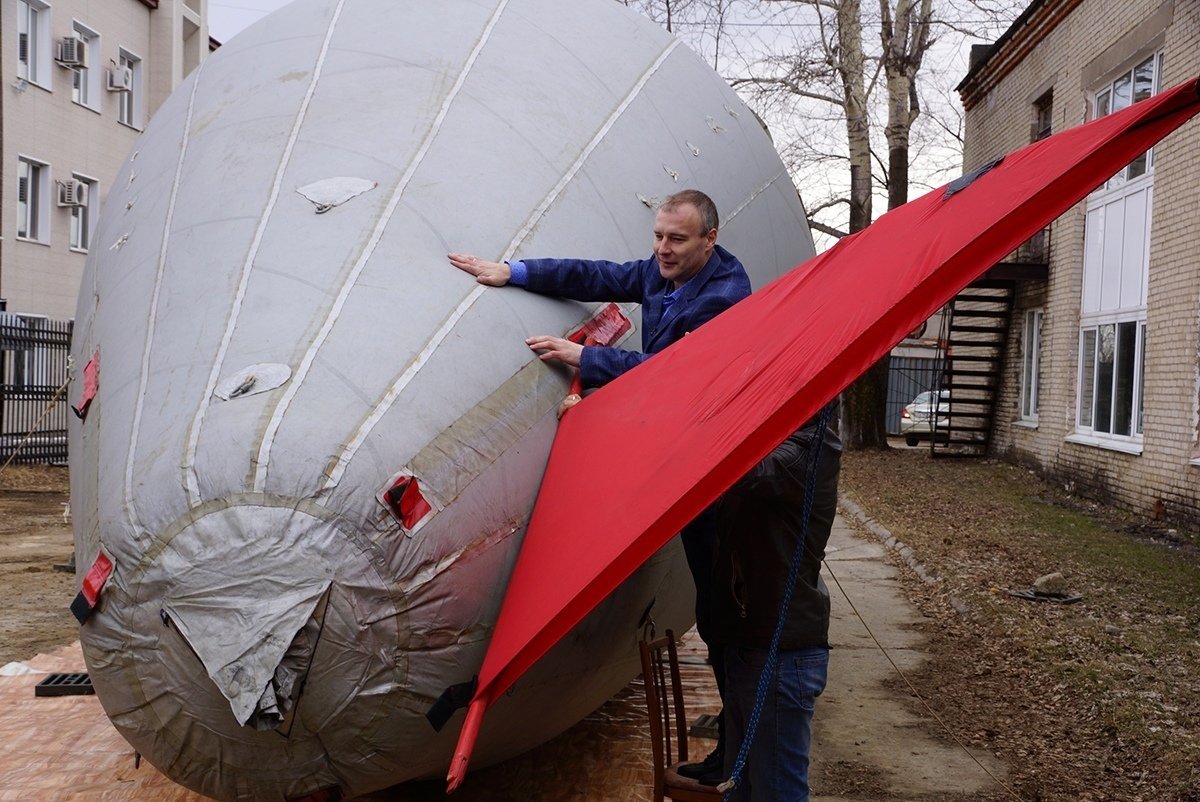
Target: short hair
[[704, 205]]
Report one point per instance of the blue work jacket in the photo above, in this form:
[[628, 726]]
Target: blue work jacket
[[719, 285]]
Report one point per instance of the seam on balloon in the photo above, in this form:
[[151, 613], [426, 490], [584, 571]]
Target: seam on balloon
[[360, 436], [191, 480], [144, 377], [264, 451], [754, 195]]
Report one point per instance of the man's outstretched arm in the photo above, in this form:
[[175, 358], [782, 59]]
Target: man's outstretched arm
[[493, 274]]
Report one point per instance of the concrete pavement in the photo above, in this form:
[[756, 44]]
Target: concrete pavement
[[867, 737]]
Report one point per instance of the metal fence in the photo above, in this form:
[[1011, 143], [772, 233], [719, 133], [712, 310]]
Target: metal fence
[[907, 377], [33, 365]]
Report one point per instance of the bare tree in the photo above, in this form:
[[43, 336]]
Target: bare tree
[[905, 38], [812, 68]]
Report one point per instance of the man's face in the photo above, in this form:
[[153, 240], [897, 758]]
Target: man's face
[[681, 247]]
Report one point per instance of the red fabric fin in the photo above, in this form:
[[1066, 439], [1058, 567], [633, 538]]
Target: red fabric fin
[[705, 410]]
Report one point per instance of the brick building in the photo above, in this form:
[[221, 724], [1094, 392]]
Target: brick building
[[78, 81], [1100, 386]]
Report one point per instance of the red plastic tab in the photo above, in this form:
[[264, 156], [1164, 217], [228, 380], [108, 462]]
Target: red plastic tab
[[605, 328], [91, 383], [97, 575], [405, 501]]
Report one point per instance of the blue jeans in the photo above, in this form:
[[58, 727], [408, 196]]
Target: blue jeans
[[777, 766]]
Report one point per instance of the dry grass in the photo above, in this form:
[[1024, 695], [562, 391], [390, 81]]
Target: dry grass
[[1094, 701], [35, 478]]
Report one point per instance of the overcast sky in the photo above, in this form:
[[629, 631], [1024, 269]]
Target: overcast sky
[[227, 17]]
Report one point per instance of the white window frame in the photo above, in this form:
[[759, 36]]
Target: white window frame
[[1086, 431], [34, 23], [1116, 265], [130, 104], [1110, 97], [83, 218], [85, 81], [33, 214], [1031, 365]]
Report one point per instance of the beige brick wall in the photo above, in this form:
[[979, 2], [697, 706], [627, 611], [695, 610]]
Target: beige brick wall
[[1096, 39], [44, 123]]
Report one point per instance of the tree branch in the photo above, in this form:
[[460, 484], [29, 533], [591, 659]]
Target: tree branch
[[824, 229], [789, 85]]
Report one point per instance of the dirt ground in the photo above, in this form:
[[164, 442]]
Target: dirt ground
[[35, 598], [1098, 700]]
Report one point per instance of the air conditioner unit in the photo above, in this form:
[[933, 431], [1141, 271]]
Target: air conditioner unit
[[72, 193], [120, 79], [72, 52]]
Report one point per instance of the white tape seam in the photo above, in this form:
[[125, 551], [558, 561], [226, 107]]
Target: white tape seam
[[754, 195], [144, 378], [189, 462], [389, 398], [264, 451]]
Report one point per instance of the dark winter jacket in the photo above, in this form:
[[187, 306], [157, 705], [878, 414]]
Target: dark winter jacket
[[759, 525]]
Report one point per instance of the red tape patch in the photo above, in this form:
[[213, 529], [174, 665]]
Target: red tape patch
[[405, 501], [91, 384]]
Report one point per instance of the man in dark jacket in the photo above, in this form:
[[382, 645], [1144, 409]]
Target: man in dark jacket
[[760, 524], [687, 282]]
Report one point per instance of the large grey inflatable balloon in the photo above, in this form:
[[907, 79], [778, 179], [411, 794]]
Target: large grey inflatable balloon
[[283, 348]]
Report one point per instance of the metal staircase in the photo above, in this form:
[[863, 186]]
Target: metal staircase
[[972, 342], [974, 335]]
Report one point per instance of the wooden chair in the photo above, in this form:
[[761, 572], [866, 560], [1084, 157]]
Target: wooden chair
[[664, 700]]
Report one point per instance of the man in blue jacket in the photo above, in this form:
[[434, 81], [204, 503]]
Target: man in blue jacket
[[687, 282]]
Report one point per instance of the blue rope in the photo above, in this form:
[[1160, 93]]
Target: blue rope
[[768, 672]]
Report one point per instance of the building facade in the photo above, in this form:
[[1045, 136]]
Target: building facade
[[78, 81], [1101, 381]]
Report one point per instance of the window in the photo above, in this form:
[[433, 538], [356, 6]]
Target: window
[[33, 42], [1116, 262], [1031, 364], [129, 103], [83, 215], [85, 79], [1112, 356], [33, 200], [1043, 115], [1138, 83]]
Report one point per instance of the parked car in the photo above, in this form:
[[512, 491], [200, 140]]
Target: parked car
[[916, 419]]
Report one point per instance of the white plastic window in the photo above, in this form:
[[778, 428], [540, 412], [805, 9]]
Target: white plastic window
[[85, 79], [1031, 364], [129, 103], [1112, 358], [1116, 266], [1141, 81], [33, 200], [83, 217], [33, 42]]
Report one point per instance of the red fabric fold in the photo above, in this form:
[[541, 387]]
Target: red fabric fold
[[697, 416]]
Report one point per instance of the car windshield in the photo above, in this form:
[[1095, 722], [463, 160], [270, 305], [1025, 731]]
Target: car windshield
[[926, 398]]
